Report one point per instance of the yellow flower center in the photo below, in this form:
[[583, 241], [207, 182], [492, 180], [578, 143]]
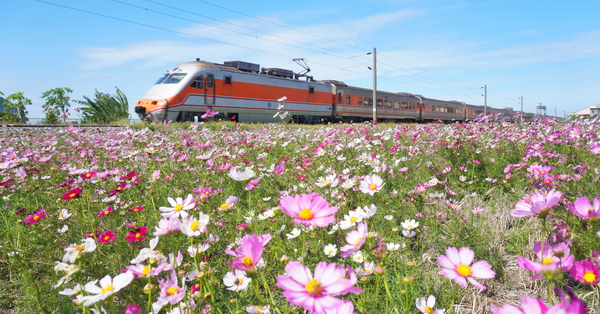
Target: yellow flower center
[[464, 270], [172, 290], [178, 207], [194, 225], [589, 277], [137, 235], [79, 248], [373, 187], [306, 214], [547, 260], [428, 309], [358, 241], [238, 281], [247, 261], [108, 288], [314, 287], [353, 219], [36, 217], [146, 270]]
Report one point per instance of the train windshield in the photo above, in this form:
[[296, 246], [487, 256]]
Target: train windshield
[[171, 78]]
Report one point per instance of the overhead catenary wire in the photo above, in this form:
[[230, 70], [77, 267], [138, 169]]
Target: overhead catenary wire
[[384, 67]]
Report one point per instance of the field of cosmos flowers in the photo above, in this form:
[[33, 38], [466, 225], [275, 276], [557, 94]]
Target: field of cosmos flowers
[[219, 217]]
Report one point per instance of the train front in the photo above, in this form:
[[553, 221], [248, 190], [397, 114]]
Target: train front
[[165, 93]]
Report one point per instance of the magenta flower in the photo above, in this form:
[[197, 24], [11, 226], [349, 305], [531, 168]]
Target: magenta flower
[[249, 253], [72, 194], [586, 272], [308, 209], [538, 204], [317, 293], [35, 217], [355, 238], [88, 175], [170, 291], [456, 265], [137, 234], [133, 309], [582, 208], [106, 211], [552, 259], [106, 237]]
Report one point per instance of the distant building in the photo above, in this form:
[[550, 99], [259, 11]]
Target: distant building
[[586, 112]]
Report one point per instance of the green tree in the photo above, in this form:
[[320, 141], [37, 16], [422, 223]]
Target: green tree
[[57, 104], [1, 106], [104, 108], [14, 108]]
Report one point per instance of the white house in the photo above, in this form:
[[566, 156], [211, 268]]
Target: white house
[[586, 112]]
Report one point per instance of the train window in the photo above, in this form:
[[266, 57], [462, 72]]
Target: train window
[[396, 104], [311, 89], [433, 108], [360, 102], [162, 78], [174, 78], [228, 79], [405, 105], [210, 80], [368, 102], [339, 98], [379, 102], [198, 82], [388, 103], [348, 99]]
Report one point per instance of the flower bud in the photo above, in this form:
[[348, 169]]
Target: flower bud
[[379, 270]]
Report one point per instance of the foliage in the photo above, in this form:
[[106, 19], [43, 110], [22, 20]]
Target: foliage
[[457, 182], [14, 108], [104, 108], [57, 104]]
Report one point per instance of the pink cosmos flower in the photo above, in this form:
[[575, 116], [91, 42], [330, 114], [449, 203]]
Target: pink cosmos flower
[[308, 209], [535, 305], [456, 265], [538, 204], [317, 293], [582, 208], [72, 194], [586, 271], [133, 309], [595, 149], [250, 185], [108, 236], [136, 235], [371, 184], [129, 175], [552, 257], [35, 217], [355, 238], [145, 271], [249, 253], [170, 291], [167, 225]]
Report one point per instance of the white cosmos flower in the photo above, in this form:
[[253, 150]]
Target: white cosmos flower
[[392, 246], [236, 281], [76, 250], [63, 214], [410, 224], [108, 286], [330, 250], [180, 207], [427, 306], [294, 234], [241, 175], [193, 227]]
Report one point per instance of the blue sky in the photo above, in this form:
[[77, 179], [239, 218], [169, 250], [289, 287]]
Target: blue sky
[[548, 52]]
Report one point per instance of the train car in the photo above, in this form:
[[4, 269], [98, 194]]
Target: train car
[[244, 92]]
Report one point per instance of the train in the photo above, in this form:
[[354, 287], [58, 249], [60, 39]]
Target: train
[[244, 92]]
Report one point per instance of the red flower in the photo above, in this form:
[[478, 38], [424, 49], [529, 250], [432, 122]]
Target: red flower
[[35, 217], [88, 175], [107, 211], [136, 235], [129, 175], [72, 193], [108, 236]]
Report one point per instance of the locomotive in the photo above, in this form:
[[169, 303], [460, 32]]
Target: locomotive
[[245, 92]]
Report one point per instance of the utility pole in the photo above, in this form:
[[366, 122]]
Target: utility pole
[[374, 85], [522, 109], [485, 100]]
